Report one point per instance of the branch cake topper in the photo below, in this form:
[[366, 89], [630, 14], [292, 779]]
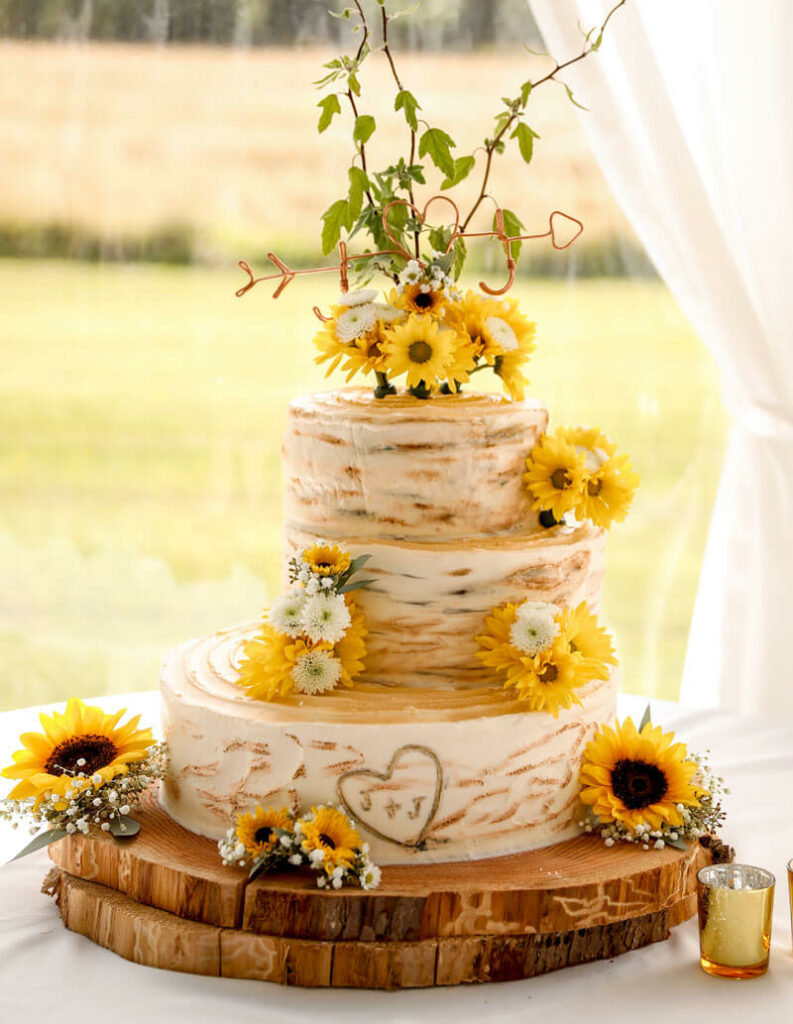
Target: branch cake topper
[[426, 330]]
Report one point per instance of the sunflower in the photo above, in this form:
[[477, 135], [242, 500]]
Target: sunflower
[[420, 298], [330, 831], [580, 629], [498, 651], [365, 355], [551, 679], [590, 440], [351, 649], [555, 475], [420, 348], [82, 741], [265, 669], [257, 831], [469, 316], [509, 365], [637, 778], [608, 492], [326, 559]]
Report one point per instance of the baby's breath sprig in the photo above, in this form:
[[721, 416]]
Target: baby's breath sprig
[[88, 803]]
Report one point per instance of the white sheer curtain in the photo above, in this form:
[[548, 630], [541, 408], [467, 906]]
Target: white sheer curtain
[[690, 118]]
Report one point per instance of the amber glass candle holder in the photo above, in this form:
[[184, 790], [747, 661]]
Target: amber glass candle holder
[[735, 904]]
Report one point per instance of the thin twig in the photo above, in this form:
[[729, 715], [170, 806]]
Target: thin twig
[[491, 146], [351, 98], [387, 52]]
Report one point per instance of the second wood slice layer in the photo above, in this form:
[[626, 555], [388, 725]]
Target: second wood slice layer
[[576, 885]]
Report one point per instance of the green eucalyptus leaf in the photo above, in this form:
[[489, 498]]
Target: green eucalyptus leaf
[[646, 718], [463, 166], [43, 839], [124, 827], [364, 128], [335, 219], [406, 101], [678, 844], [356, 585], [572, 98], [329, 105], [437, 145], [359, 182], [259, 866], [358, 563]]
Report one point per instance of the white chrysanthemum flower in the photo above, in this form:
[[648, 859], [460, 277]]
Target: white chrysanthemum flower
[[325, 617], [388, 313], [595, 457], [359, 298], [502, 332], [412, 273], [316, 672], [534, 627], [370, 876], [286, 611], [352, 323]]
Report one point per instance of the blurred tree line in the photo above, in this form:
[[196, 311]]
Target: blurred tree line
[[435, 24]]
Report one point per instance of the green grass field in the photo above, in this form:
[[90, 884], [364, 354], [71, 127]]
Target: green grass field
[[140, 489]]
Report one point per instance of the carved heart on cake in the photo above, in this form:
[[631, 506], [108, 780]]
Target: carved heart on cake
[[399, 804]]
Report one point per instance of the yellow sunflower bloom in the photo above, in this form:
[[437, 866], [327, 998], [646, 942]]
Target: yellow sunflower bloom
[[330, 831], [351, 649], [509, 365], [329, 344], [256, 831], [580, 629], [469, 316], [551, 680], [589, 439], [419, 298], [81, 740], [637, 778], [421, 349], [498, 651], [555, 475], [365, 355], [326, 559], [608, 492]]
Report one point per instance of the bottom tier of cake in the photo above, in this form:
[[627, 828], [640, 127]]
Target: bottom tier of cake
[[428, 775]]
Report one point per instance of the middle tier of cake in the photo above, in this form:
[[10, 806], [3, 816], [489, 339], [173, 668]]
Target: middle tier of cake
[[428, 601]]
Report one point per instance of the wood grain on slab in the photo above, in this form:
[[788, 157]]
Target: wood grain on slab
[[156, 938]]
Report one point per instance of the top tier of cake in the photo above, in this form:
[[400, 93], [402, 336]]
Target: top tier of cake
[[398, 467]]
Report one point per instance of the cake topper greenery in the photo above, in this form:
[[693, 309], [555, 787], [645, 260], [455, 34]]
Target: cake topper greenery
[[426, 333]]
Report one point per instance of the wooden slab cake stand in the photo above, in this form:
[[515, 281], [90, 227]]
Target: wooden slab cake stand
[[164, 899]]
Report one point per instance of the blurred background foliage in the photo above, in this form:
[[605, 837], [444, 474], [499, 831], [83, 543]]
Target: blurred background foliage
[[145, 147]]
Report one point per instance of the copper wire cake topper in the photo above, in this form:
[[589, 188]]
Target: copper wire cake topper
[[286, 274]]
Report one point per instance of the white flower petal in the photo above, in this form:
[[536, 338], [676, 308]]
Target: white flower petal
[[359, 298], [316, 672]]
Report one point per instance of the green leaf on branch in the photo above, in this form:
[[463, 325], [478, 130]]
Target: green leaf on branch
[[439, 238], [335, 219], [359, 182], [525, 137], [572, 98], [364, 128], [437, 145], [43, 839], [407, 101], [329, 105], [463, 166], [525, 92], [512, 226], [458, 253]]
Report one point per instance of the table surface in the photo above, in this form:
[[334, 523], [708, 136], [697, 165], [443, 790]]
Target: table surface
[[50, 974]]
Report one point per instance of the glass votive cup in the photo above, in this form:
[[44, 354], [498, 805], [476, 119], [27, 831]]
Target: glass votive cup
[[735, 904]]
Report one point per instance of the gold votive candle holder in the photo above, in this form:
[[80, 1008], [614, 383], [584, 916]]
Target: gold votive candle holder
[[735, 905]]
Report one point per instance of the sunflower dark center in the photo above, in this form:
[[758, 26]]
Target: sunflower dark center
[[638, 784], [560, 479], [424, 300], [420, 352], [594, 487], [549, 674], [263, 834], [325, 839], [96, 751]]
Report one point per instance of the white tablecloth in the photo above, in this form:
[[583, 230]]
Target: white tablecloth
[[50, 974]]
